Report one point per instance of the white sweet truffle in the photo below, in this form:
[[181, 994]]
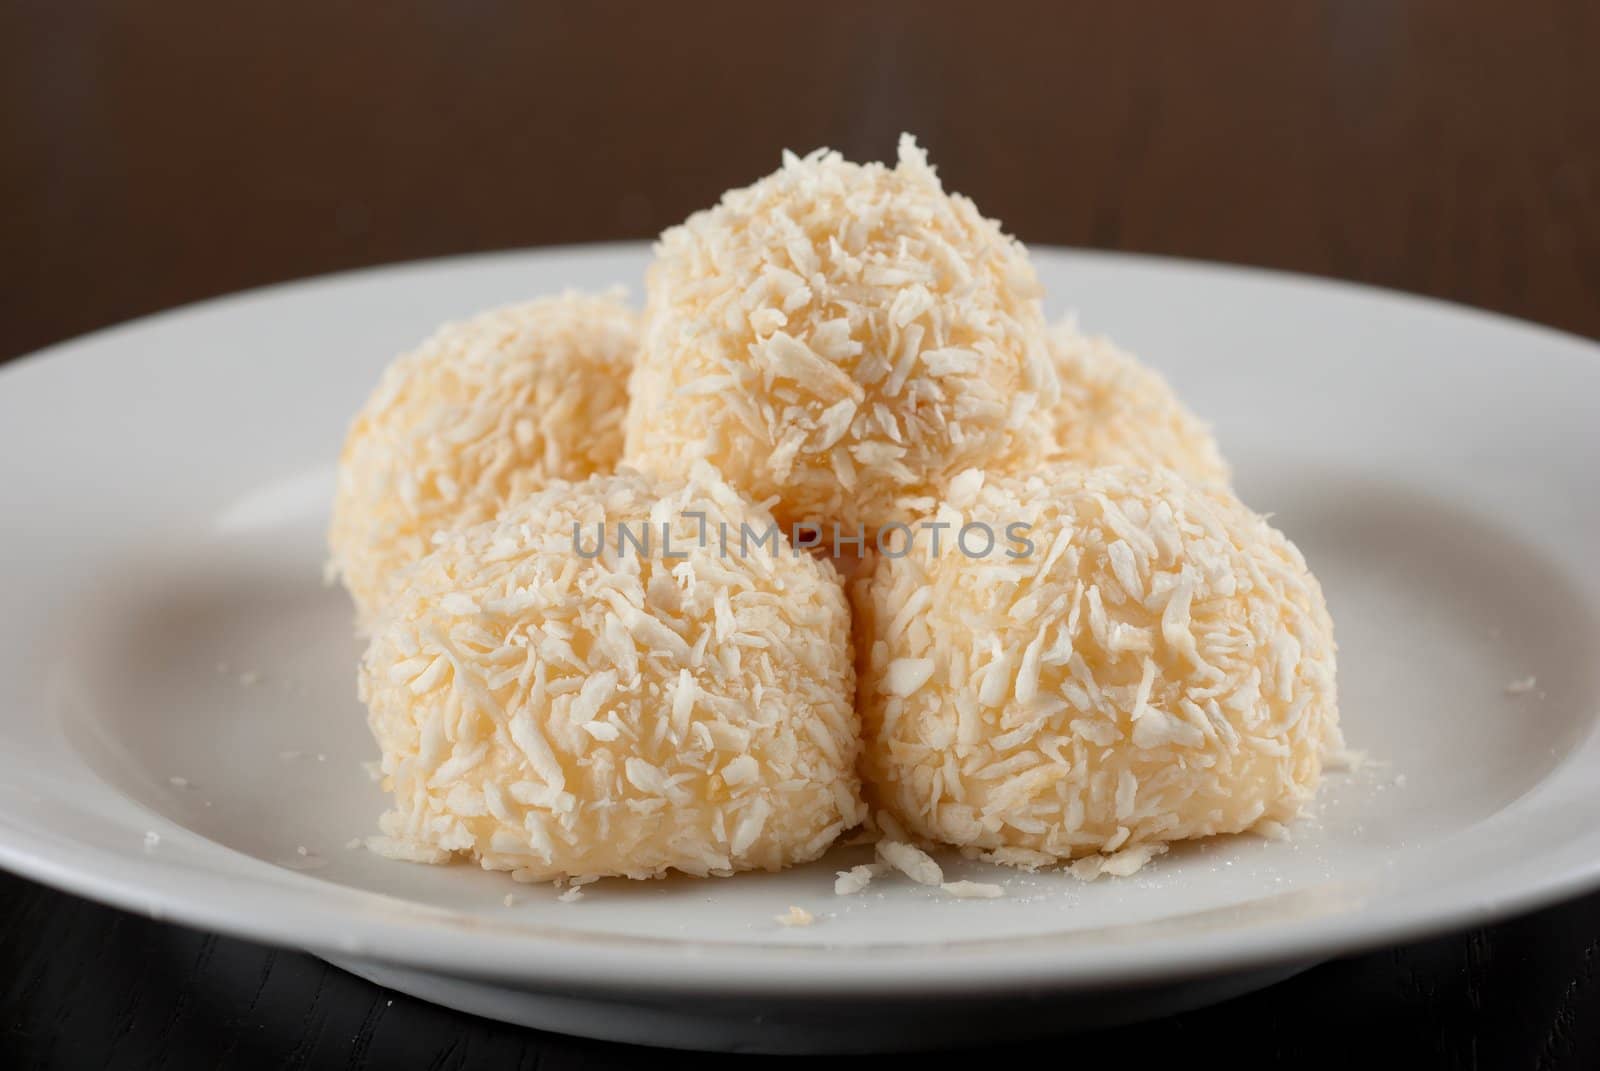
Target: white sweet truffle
[[552, 705], [1158, 664], [843, 338], [479, 415], [1115, 410]]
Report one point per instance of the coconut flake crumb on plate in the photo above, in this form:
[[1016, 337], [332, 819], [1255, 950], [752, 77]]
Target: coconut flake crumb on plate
[[795, 916], [911, 861], [1270, 830], [849, 882], [405, 851], [571, 888], [1346, 760], [1121, 864], [1522, 686], [1016, 858]]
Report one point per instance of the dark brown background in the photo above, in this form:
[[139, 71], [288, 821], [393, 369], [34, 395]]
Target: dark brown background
[[156, 153]]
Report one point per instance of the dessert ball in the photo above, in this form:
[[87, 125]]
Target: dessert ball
[[480, 414], [1115, 410], [603, 681], [1139, 660], [842, 338]]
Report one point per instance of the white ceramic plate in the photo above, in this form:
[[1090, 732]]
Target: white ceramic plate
[[163, 492]]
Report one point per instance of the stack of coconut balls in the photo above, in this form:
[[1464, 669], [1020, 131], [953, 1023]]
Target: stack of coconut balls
[[838, 533]]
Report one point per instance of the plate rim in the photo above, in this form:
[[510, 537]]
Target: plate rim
[[512, 954], [146, 885]]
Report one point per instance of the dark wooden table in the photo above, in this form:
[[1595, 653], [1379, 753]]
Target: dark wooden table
[[154, 154]]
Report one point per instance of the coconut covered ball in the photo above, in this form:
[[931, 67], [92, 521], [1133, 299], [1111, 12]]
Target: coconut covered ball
[[1143, 660], [1115, 410], [553, 700], [479, 415], [843, 338]]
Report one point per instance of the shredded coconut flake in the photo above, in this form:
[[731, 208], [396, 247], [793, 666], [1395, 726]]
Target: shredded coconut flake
[[1346, 760], [906, 675], [795, 916], [849, 882], [1523, 686], [911, 861], [1121, 864], [406, 851]]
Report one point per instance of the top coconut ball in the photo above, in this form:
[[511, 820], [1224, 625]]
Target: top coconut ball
[[844, 339]]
